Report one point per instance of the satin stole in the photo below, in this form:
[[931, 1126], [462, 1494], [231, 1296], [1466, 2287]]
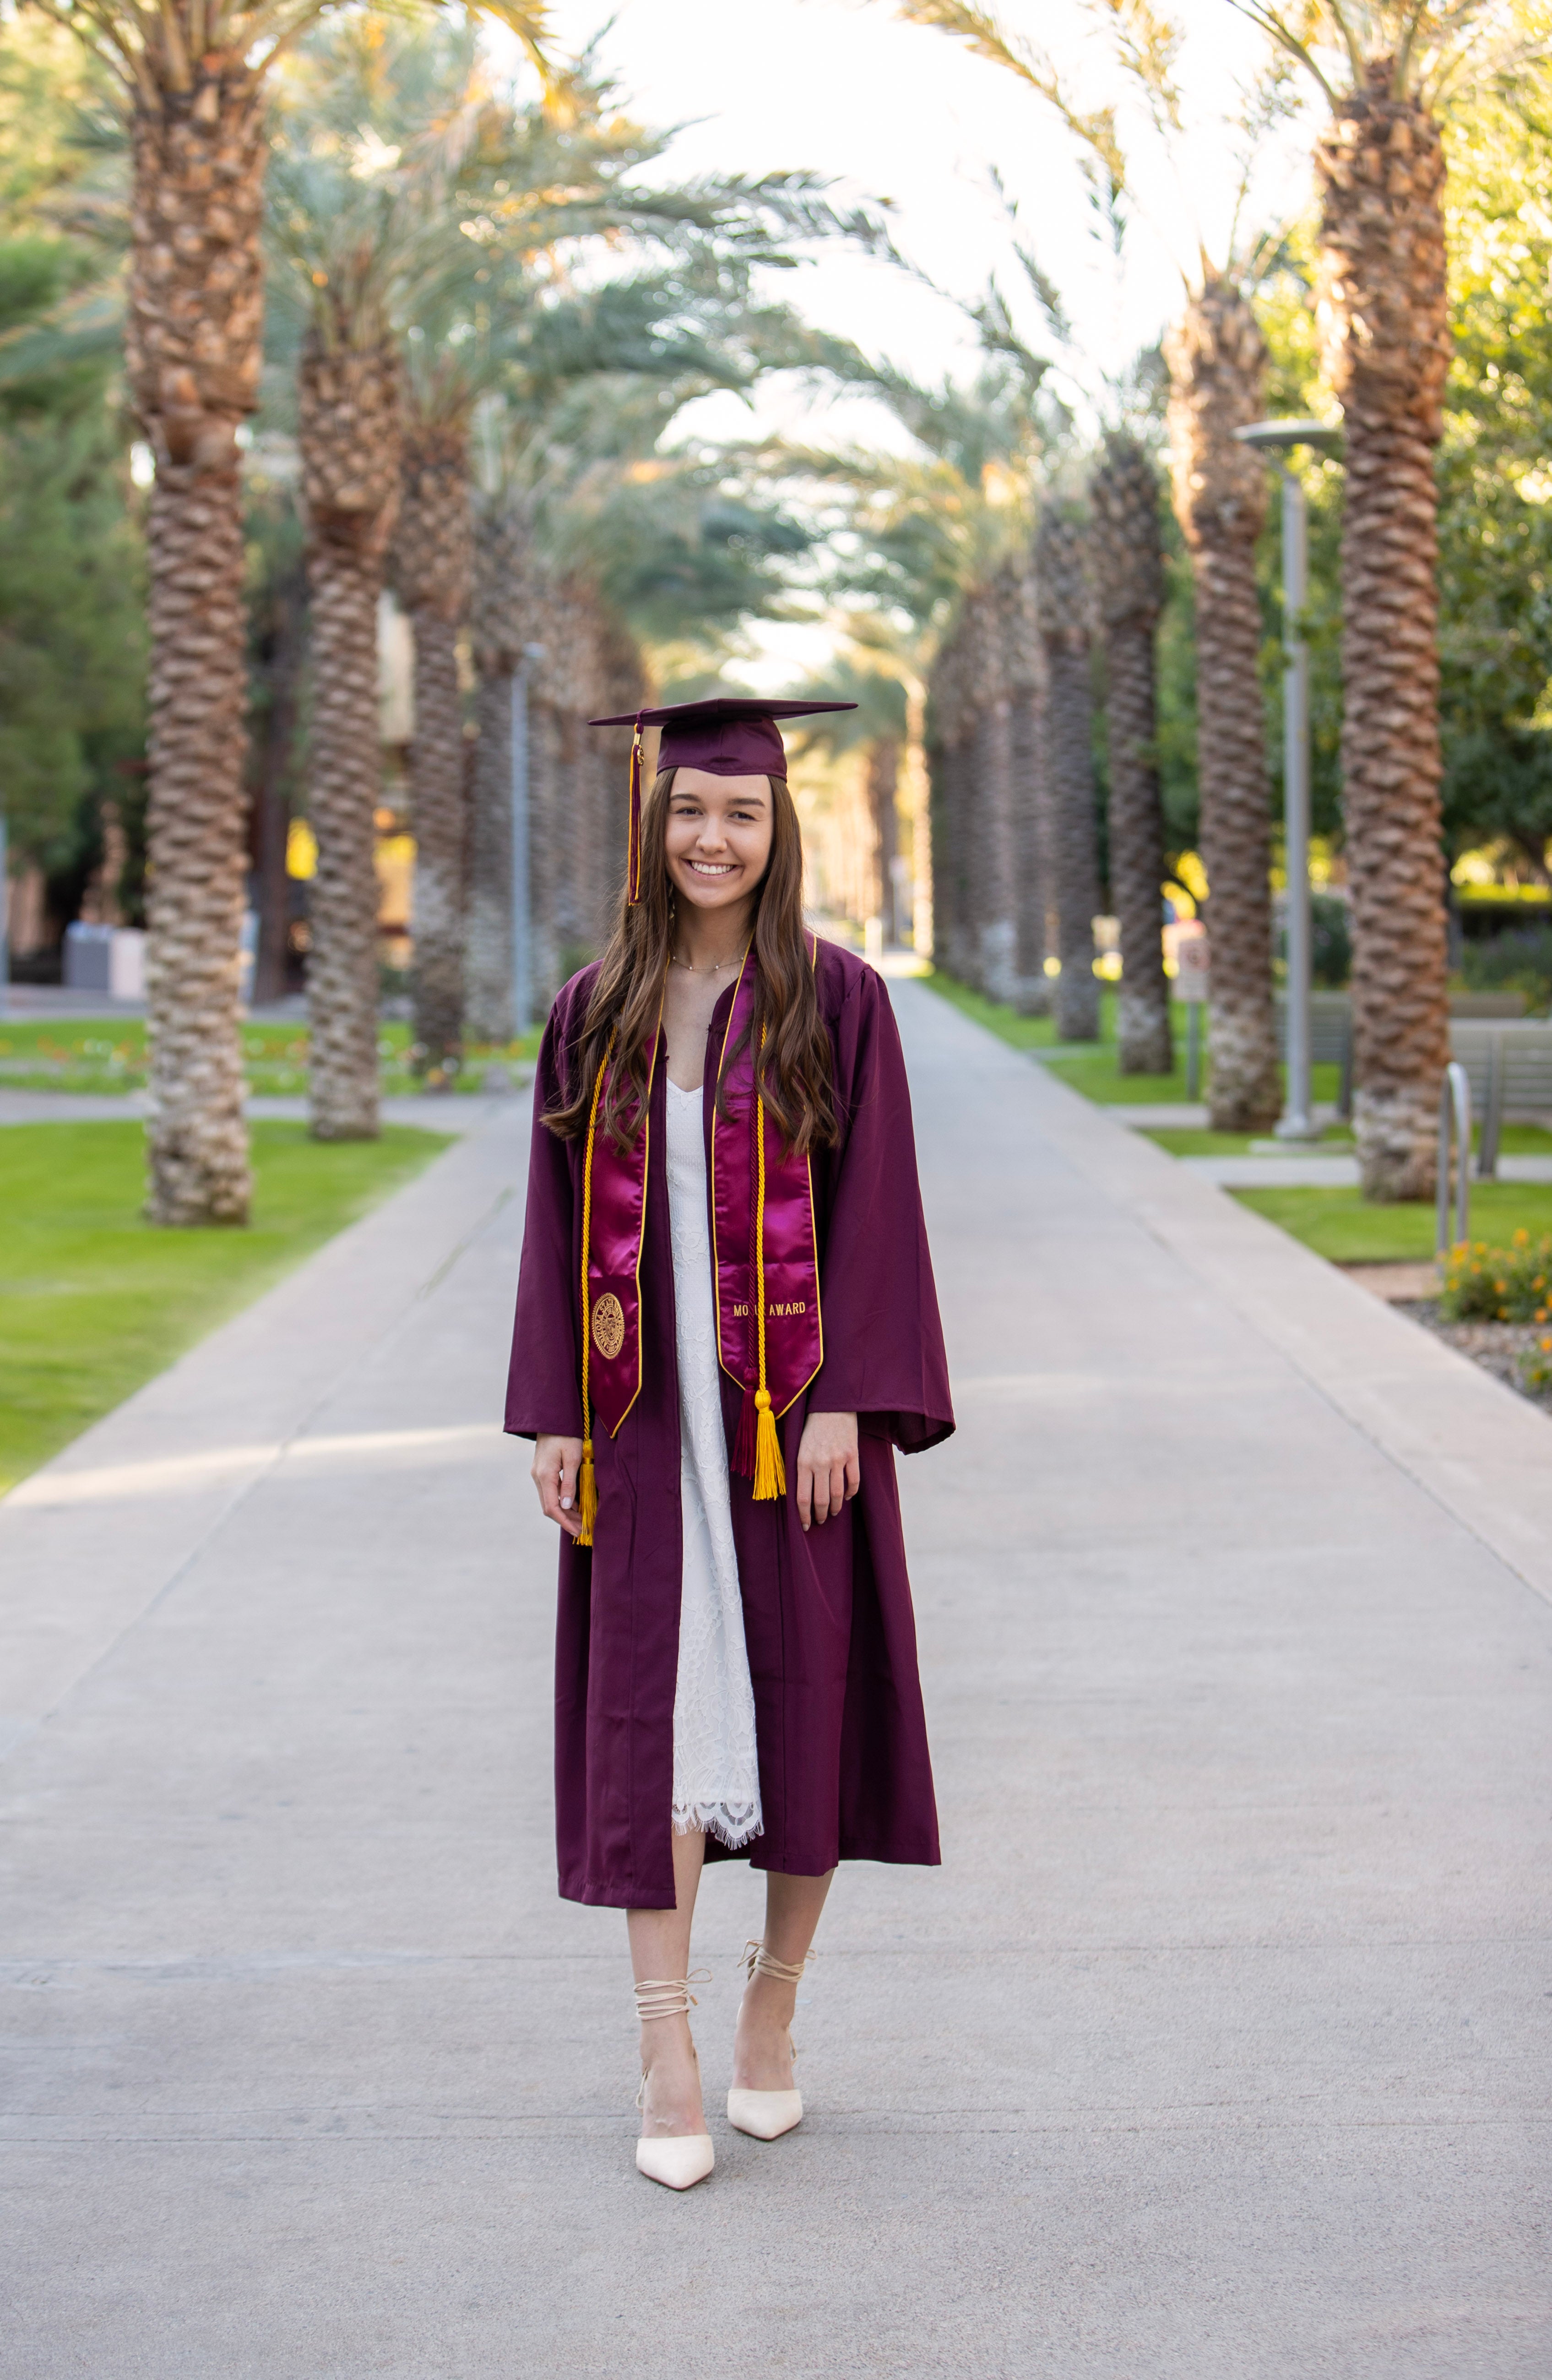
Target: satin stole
[[763, 1234]]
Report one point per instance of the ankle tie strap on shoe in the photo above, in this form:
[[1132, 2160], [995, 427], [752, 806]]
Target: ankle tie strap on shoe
[[655, 1999], [757, 1960]]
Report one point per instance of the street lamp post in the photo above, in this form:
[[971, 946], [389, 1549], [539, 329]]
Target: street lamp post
[[1297, 1121]]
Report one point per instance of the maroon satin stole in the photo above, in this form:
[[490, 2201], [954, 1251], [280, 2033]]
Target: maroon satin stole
[[765, 1256]]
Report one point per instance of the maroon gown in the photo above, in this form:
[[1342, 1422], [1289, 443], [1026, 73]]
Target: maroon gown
[[844, 1765]]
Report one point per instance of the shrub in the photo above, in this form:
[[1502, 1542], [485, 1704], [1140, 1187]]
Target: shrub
[[1520, 959], [1513, 1284], [1330, 942]]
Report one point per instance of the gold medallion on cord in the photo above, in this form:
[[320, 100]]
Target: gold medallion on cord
[[609, 1326]]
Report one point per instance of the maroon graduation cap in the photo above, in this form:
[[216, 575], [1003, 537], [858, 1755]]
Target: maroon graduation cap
[[729, 736]]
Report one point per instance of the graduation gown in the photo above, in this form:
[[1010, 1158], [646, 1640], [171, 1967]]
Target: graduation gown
[[844, 1765]]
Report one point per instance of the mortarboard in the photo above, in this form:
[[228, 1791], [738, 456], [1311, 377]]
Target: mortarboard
[[729, 736]]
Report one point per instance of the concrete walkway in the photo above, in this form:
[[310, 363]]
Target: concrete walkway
[[1217, 2047]]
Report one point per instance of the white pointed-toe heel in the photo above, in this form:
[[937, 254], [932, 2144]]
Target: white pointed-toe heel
[[679, 2159], [678, 2163], [766, 2115]]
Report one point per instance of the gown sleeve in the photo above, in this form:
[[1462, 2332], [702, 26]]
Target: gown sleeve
[[544, 1389], [884, 1358]]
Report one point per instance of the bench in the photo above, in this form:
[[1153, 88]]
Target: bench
[[1330, 1038], [1478, 1022], [1509, 1067]]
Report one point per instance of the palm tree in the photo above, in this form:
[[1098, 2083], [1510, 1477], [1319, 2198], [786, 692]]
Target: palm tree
[[1129, 558], [499, 627], [193, 75], [986, 687], [349, 425], [432, 564], [589, 378], [340, 198], [1024, 659], [1061, 568], [1383, 319], [993, 857], [948, 733], [1219, 510], [539, 188], [420, 211], [1217, 362], [939, 539], [875, 731], [883, 796]]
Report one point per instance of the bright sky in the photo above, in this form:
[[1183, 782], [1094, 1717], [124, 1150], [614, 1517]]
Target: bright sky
[[902, 112]]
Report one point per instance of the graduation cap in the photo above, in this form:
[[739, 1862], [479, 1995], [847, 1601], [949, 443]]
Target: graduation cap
[[729, 736]]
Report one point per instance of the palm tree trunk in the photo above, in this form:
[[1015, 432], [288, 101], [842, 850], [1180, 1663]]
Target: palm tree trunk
[[978, 786], [489, 1014], [546, 867], [918, 814], [193, 350], [351, 426], [496, 636], [1064, 608], [572, 750], [1025, 663], [953, 808], [622, 686], [1129, 553], [998, 943], [433, 560], [1217, 361], [1387, 353], [284, 650], [883, 786]]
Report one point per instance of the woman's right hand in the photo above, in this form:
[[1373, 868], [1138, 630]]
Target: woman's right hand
[[555, 1465]]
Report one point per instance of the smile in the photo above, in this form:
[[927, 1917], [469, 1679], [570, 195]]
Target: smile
[[713, 867]]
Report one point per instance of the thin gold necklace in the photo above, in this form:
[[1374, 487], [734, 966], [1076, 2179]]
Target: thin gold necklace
[[675, 960]]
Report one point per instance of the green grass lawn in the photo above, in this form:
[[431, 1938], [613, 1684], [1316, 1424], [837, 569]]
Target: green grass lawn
[[1337, 1224], [1091, 1068], [1335, 1141], [109, 1054], [1515, 1140], [93, 1300]]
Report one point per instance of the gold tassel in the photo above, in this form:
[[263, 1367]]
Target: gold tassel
[[770, 1472], [587, 1495]]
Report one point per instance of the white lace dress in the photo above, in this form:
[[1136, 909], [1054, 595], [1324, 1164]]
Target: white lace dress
[[716, 1776]]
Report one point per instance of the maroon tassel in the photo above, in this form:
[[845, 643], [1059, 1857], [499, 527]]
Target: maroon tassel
[[744, 1444]]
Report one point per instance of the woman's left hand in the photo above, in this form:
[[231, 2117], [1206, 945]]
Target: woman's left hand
[[828, 1472]]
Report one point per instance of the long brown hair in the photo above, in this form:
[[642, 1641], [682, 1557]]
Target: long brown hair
[[793, 1063]]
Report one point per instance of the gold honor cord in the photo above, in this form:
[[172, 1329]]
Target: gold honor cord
[[770, 1474], [587, 1478]]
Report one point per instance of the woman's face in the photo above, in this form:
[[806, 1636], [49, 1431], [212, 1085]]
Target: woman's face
[[717, 842]]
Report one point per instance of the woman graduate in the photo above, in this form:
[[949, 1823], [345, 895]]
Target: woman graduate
[[726, 1323]]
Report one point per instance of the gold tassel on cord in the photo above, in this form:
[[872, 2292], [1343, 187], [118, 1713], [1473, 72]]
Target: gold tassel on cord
[[770, 1472], [587, 1495]]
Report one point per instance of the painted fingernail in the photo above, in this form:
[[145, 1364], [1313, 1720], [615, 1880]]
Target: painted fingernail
[[566, 1503]]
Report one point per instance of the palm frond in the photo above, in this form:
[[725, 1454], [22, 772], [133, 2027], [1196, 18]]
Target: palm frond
[[1095, 128]]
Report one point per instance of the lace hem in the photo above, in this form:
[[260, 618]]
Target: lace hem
[[733, 1823]]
